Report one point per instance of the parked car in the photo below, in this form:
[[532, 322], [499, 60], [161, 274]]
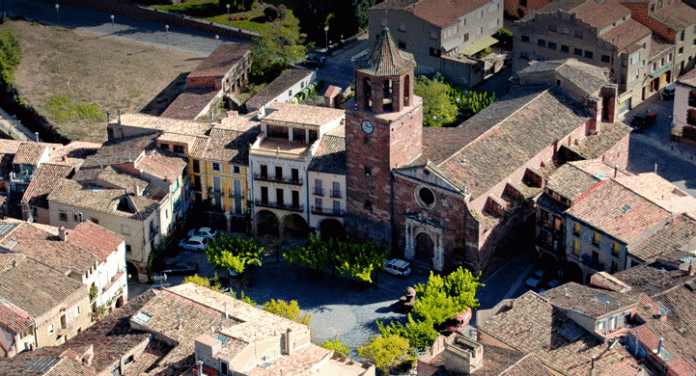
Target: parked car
[[541, 273], [667, 93], [204, 232], [397, 267], [313, 60], [181, 268], [643, 120], [553, 283], [533, 282], [194, 243]]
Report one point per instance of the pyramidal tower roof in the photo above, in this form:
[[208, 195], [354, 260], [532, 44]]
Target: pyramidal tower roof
[[383, 58]]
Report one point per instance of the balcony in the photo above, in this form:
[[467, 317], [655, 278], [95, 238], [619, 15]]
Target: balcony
[[215, 192], [22, 177], [328, 211], [235, 195], [592, 263], [281, 180], [318, 192], [273, 205], [336, 194]]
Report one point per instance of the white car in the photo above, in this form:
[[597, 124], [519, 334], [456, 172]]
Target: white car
[[397, 267], [194, 243], [204, 232]]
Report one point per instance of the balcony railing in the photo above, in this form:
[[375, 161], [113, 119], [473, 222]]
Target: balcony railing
[[328, 211], [260, 177], [318, 192], [335, 194], [237, 195], [24, 177], [273, 205]]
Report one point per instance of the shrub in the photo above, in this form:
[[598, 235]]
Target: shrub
[[335, 345]]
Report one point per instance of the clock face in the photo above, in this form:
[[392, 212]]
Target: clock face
[[367, 127]]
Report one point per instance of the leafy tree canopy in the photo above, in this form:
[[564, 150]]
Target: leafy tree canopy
[[386, 352], [420, 334], [438, 107], [442, 298], [289, 310], [279, 47], [202, 281], [10, 55], [233, 253], [335, 345]]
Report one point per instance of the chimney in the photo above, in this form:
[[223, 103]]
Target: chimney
[[119, 117], [65, 158], [200, 368], [692, 272], [288, 341], [659, 346], [62, 233], [593, 359], [137, 190], [616, 170], [36, 134]]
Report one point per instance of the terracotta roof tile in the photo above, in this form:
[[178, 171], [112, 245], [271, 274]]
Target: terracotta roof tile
[[533, 326], [29, 153], [594, 146], [671, 243], [46, 177], [688, 79], [330, 155], [301, 114], [677, 16], [13, 318], [96, 239], [660, 191], [586, 300], [230, 146], [220, 61], [617, 210], [383, 58], [195, 128], [280, 85], [626, 34], [650, 280], [35, 287], [440, 13], [162, 165], [190, 103], [73, 154]]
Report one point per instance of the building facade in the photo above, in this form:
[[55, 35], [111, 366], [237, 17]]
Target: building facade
[[684, 113]]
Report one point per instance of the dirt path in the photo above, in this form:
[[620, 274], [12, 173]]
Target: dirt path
[[73, 78]]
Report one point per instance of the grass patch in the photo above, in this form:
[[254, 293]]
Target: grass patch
[[63, 109], [209, 10]]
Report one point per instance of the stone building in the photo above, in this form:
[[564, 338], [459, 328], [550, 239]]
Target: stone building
[[443, 36], [684, 113], [458, 196]]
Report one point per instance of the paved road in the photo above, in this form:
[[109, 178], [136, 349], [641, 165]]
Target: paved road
[[127, 28]]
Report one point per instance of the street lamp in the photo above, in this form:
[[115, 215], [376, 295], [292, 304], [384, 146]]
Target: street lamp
[[113, 28], [58, 13], [228, 14], [166, 28], [217, 40], [326, 35]]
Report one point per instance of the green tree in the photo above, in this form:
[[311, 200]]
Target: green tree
[[420, 334], [470, 103], [315, 254], [202, 281], [386, 352], [335, 345], [438, 107], [442, 298], [289, 310], [280, 45], [233, 253], [10, 55]]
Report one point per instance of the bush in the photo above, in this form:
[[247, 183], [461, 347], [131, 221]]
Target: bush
[[335, 345], [289, 310], [387, 352]]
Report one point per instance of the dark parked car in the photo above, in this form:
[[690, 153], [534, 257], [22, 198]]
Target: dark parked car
[[181, 268], [643, 120], [315, 60]]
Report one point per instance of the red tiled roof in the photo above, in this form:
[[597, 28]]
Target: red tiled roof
[[96, 239], [600, 14], [617, 210], [440, 13], [13, 318], [383, 58], [46, 177], [626, 34], [218, 63]]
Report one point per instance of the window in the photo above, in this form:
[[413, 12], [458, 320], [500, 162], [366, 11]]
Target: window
[[164, 146], [318, 204], [681, 50], [565, 48], [236, 169], [565, 31], [606, 59], [50, 328], [295, 175], [557, 223], [63, 215], [552, 45], [681, 36], [318, 190], [280, 197], [659, 4], [279, 173], [128, 249], [466, 37], [179, 149], [367, 171], [480, 13], [525, 38], [523, 3], [524, 55], [595, 256], [402, 45], [614, 266], [434, 52], [216, 166], [595, 239], [615, 249], [337, 207], [578, 34], [576, 229], [433, 35], [77, 311], [336, 191], [480, 30], [652, 7], [690, 119], [600, 325], [63, 322], [692, 98], [541, 43], [578, 51], [368, 205], [552, 28], [196, 166], [576, 247], [589, 54], [634, 59], [94, 220]]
